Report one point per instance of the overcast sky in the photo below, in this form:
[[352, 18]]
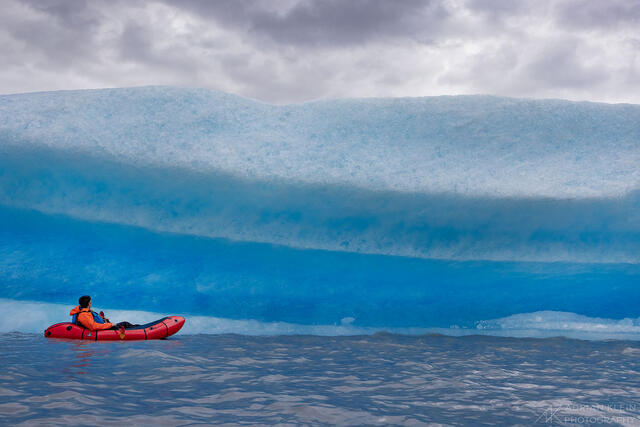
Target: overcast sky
[[283, 51]]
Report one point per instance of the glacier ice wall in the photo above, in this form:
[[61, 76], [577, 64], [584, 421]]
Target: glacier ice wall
[[392, 212], [445, 177], [471, 145]]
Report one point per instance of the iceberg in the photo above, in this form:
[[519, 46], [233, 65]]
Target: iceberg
[[393, 213]]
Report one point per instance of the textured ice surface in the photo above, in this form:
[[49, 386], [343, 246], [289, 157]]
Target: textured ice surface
[[448, 177], [423, 212], [471, 145]]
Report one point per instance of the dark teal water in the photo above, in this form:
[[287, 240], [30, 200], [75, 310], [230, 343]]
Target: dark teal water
[[309, 380]]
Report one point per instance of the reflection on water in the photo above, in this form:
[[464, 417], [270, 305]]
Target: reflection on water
[[83, 352], [376, 380]]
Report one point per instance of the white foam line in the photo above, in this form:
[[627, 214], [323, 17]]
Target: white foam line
[[35, 317]]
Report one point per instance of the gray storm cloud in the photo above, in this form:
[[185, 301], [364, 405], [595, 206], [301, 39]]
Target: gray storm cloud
[[322, 23], [297, 50]]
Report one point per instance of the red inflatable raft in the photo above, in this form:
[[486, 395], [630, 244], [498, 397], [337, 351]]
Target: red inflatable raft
[[159, 329]]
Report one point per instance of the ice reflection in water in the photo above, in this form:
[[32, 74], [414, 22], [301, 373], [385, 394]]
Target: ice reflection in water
[[375, 380]]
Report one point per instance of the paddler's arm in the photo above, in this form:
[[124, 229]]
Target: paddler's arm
[[88, 322]]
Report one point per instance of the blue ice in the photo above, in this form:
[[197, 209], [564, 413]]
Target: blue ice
[[413, 212]]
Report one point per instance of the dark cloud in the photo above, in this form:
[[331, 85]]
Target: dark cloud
[[496, 8], [297, 50], [136, 44], [326, 22], [589, 14], [76, 15], [49, 37]]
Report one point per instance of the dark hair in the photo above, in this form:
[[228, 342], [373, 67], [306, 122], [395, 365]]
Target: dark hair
[[84, 301]]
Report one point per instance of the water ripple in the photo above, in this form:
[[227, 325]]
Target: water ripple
[[291, 380]]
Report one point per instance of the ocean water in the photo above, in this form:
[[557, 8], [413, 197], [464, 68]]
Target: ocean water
[[382, 379], [451, 260]]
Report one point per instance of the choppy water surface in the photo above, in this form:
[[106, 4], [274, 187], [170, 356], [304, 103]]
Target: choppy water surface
[[290, 380]]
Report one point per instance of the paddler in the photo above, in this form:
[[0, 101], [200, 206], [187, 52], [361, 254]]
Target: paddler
[[82, 315]]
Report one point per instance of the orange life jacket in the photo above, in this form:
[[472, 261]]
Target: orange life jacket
[[89, 319]]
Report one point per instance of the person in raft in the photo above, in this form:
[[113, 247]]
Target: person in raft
[[83, 316]]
